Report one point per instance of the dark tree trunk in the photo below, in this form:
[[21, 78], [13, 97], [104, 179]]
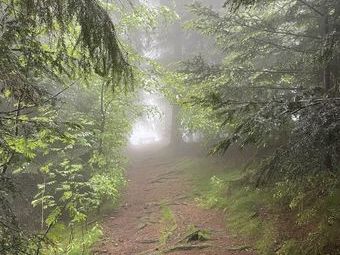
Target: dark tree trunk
[[324, 32], [327, 68], [336, 64], [103, 118], [175, 134]]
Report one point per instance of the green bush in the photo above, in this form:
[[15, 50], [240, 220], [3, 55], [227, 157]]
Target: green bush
[[288, 218], [74, 241]]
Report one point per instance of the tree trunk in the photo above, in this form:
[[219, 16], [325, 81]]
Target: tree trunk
[[324, 32], [327, 63], [103, 119], [336, 65], [175, 134]]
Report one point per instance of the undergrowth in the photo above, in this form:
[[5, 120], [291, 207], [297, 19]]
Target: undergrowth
[[169, 224], [72, 241], [286, 218], [78, 238]]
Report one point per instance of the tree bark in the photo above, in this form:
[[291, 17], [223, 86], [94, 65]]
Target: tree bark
[[324, 32], [336, 65], [103, 119], [175, 135], [327, 62]]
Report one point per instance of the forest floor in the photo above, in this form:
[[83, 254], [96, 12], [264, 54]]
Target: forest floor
[[159, 214]]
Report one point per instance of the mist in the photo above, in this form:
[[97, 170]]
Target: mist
[[152, 127], [148, 127]]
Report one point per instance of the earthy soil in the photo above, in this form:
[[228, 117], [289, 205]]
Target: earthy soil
[[156, 182]]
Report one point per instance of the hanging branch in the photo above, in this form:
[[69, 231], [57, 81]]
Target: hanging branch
[[42, 103], [311, 7]]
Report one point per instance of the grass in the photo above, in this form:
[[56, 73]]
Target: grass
[[245, 209], [169, 224], [249, 212], [274, 220]]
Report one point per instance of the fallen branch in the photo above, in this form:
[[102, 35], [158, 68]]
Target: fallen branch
[[239, 248], [147, 241], [187, 247]]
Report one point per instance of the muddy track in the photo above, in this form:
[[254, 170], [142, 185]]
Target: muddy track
[[157, 205]]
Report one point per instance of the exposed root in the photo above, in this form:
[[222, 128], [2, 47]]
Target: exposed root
[[239, 248], [147, 241], [162, 179], [194, 236], [183, 247], [187, 247], [188, 242], [154, 204], [142, 226]]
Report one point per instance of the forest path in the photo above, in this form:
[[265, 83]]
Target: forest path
[[159, 205]]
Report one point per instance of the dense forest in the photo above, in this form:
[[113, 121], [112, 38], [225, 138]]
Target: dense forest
[[245, 104]]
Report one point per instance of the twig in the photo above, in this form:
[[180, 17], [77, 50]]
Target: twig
[[44, 102], [311, 7], [239, 248]]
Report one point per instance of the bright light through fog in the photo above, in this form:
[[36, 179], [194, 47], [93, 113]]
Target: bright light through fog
[[150, 128], [142, 134]]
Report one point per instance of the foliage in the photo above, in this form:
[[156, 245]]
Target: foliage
[[277, 224], [146, 17], [273, 105], [79, 164], [77, 35], [276, 87], [73, 242], [62, 145]]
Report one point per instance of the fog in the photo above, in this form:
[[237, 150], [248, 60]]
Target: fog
[[152, 126], [169, 45]]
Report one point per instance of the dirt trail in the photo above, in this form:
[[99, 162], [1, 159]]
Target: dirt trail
[[158, 204]]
